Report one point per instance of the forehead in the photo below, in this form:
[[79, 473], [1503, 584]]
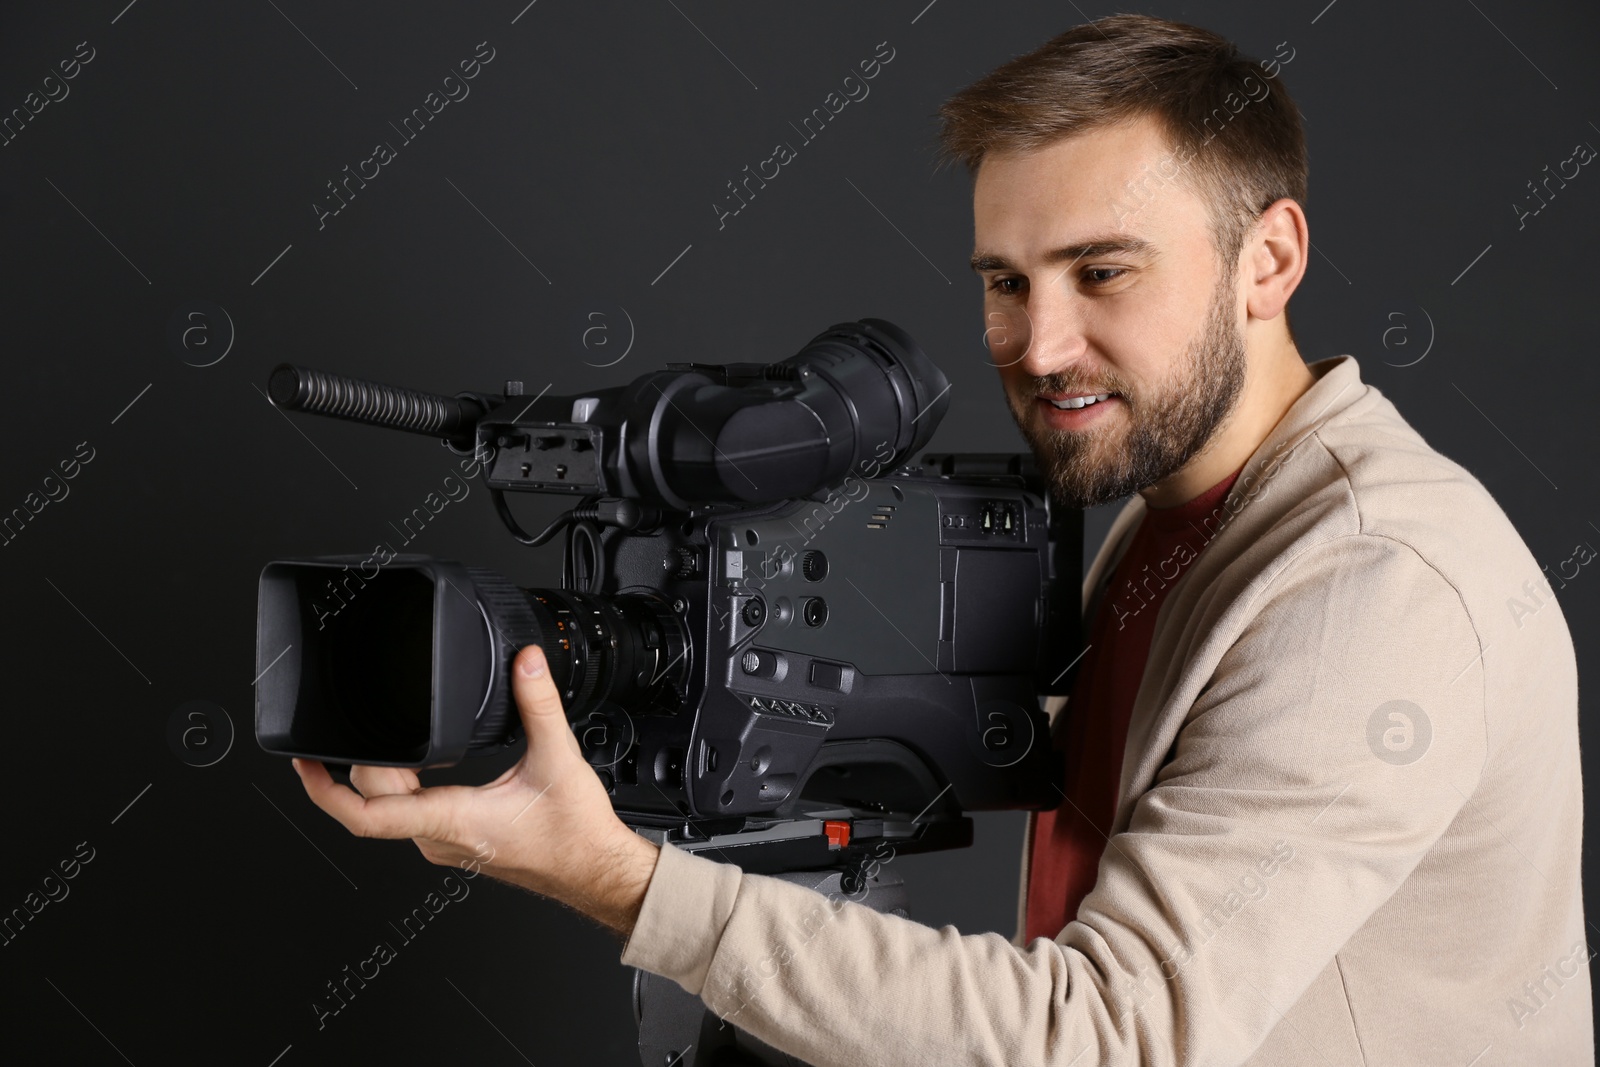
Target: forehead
[[1101, 181]]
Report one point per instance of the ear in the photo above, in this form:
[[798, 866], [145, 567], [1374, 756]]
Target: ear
[[1274, 259]]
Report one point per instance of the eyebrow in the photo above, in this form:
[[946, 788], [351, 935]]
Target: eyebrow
[[1100, 245]]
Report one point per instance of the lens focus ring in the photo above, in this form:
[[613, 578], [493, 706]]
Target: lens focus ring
[[513, 626]]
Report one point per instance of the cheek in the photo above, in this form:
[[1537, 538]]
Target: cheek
[[1145, 339]]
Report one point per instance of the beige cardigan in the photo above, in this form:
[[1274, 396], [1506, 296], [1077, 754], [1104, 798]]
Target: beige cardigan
[[1349, 827]]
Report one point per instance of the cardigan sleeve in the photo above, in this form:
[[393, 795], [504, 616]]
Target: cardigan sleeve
[[1335, 741]]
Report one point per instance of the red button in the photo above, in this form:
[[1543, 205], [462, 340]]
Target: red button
[[838, 832]]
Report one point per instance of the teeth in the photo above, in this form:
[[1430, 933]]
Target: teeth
[[1079, 401]]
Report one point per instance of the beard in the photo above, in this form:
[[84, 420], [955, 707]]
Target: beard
[[1168, 424]]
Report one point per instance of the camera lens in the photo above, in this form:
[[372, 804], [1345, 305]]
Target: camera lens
[[815, 611], [628, 651], [409, 664]]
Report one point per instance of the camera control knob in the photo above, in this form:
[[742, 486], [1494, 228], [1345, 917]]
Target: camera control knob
[[682, 562], [759, 663], [814, 566]]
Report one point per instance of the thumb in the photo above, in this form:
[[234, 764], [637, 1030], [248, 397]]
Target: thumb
[[544, 720]]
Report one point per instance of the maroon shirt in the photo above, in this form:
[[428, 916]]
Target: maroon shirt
[[1092, 729]]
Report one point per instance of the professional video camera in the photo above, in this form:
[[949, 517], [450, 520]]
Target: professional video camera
[[775, 638]]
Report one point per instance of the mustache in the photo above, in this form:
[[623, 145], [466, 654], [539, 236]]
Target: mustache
[[1033, 388]]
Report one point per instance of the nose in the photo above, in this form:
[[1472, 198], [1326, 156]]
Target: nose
[[1054, 325]]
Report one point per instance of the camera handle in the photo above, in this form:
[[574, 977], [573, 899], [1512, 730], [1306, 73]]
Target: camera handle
[[677, 1030]]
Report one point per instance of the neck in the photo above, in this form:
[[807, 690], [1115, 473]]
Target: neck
[[1272, 385]]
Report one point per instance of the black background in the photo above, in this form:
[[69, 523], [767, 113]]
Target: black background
[[577, 180]]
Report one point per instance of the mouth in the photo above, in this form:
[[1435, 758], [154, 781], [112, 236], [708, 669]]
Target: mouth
[[1077, 400], [1077, 411]]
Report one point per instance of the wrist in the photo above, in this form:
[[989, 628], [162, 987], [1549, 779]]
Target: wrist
[[620, 878]]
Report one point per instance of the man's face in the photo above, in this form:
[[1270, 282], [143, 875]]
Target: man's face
[[1101, 278]]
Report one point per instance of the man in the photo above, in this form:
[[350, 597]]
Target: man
[[1326, 803]]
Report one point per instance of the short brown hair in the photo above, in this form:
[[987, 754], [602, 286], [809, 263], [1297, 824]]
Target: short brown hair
[[1125, 67]]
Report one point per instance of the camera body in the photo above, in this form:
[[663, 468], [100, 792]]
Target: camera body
[[866, 652]]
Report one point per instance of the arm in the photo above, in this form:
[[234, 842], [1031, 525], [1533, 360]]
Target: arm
[[1269, 837]]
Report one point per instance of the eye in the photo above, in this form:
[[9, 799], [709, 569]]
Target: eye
[[1002, 286], [1113, 272]]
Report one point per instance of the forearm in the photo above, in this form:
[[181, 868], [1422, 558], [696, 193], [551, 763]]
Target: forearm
[[608, 886]]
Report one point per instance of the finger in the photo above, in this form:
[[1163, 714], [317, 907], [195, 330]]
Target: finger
[[425, 814], [381, 781], [544, 720]]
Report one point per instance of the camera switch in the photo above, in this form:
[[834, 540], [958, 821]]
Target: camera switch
[[827, 676]]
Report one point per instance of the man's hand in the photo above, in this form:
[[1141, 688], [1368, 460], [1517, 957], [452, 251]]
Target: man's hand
[[546, 824]]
